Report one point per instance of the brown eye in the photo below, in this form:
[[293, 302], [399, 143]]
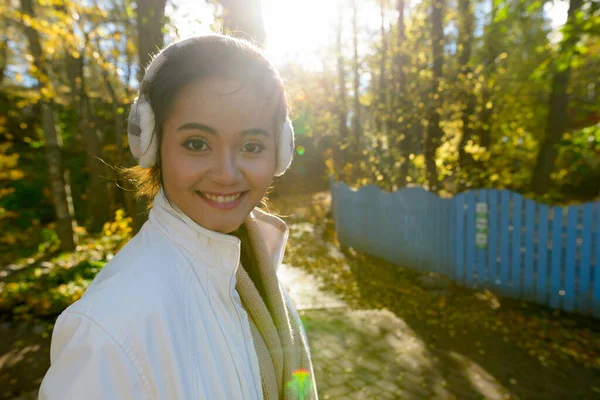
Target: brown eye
[[194, 144], [254, 147]]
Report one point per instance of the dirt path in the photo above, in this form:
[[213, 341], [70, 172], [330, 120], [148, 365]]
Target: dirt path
[[24, 359]]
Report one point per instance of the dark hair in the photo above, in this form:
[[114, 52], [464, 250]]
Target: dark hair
[[208, 56]]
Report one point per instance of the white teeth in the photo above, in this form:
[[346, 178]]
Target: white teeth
[[221, 199]]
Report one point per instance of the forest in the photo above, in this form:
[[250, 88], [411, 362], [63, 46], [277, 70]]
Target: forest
[[448, 95]]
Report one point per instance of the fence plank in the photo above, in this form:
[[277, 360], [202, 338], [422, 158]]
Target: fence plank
[[596, 293], [448, 242], [436, 250], [444, 238], [335, 210], [399, 214], [459, 207], [515, 266], [555, 266], [504, 241], [347, 205], [470, 240], [365, 237], [425, 225], [384, 218], [492, 237], [542, 272], [480, 256], [407, 255], [338, 213], [585, 257], [571, 248], [451, 243], [528, 286], [351, 216]]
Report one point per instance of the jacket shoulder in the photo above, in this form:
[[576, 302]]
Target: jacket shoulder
[[84, 355], [146, 276]]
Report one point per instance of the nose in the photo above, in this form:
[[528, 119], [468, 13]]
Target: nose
[[226, 170]]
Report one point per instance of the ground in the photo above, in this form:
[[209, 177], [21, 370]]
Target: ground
[[374, 354]]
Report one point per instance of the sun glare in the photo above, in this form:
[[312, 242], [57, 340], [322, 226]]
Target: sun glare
[[296, 30], [189, 18], [300, 31]]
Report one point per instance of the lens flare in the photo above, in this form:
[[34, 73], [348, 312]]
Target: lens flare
[[300, 384]]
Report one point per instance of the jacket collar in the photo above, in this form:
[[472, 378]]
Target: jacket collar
[[216, 250]]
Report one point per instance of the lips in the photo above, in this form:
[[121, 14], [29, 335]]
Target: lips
[[222, 202], [222, 198]]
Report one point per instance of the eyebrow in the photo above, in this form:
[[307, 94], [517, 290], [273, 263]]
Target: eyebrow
[[213, 131]]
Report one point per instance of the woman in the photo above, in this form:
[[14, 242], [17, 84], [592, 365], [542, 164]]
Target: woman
[[191, 307]]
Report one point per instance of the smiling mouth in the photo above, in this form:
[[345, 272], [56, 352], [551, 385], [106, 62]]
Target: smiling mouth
[[224, 200]]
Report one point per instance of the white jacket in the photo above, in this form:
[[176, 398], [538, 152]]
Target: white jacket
[[162, 319]]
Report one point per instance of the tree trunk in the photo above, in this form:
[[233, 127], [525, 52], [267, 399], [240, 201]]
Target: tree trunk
[[97, 200], [97, 196], [356, 146], [119, 195], [434, 132], [356, 117], [492, 44], [382, 109], [557, 120], [63, 204], [383, 112], [465, 33], [399, 100], [338, 154], [3, 48], [244, 18], [150, 20]]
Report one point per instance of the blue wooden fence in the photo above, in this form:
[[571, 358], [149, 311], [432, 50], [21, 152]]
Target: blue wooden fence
[[548, 255]]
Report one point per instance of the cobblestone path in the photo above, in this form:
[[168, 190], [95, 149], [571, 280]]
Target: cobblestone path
[[372, 354]]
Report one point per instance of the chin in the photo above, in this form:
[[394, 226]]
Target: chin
[[220, 228]]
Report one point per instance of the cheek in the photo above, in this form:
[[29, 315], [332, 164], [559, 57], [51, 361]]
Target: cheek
[[264, 178], [260, 171], [179, 170]]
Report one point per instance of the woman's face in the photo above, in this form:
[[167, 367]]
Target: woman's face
[[215, 147]]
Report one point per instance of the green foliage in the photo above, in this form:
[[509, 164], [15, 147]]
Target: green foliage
[[44, 288], [578, 164], [47, 294], [508, 77], [49, 240]]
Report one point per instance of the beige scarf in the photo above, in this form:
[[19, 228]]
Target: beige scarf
[[281, 349]]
